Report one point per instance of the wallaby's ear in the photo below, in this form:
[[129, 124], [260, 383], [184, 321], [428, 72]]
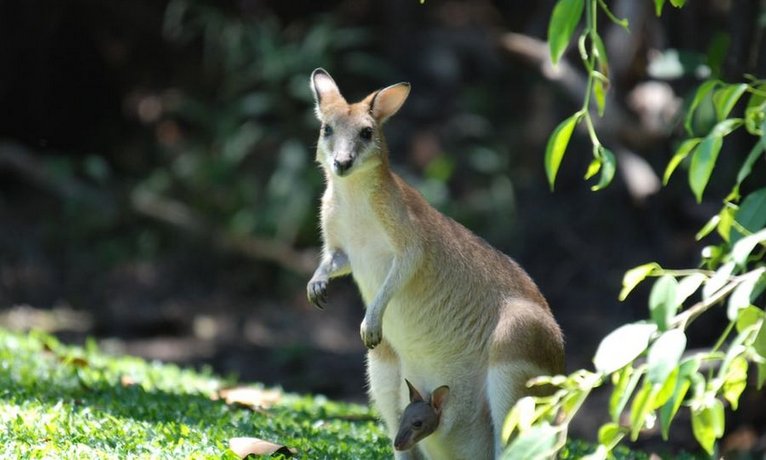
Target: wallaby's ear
[[324, 88], [438, 397], [388, 101], [414, 395]]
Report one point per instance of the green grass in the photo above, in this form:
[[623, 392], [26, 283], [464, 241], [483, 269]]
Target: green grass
[[59, 401]]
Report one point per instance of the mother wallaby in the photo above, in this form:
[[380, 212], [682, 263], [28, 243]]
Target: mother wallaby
[[443, 306]]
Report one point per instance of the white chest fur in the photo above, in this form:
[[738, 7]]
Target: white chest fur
[[363, 239]]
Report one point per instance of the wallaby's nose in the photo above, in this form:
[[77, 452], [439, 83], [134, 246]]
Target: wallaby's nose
[[341, 166]]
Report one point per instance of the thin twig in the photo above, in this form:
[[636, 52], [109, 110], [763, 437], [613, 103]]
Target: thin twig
[[684, 318]]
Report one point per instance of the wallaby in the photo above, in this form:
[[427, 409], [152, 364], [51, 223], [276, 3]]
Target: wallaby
[[420, 417], [442, 305]]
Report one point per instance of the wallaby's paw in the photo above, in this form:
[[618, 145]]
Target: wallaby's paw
[[317, 292], [371, 332]]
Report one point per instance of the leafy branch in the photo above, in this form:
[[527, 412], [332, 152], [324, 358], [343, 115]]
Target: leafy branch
[[647, 364], [566, 16]]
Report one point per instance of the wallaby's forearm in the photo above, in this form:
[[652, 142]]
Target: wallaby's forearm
[[334, 263], [403, 267]]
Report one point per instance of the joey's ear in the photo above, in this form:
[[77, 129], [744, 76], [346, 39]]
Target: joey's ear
[[324, 88], [414, 395], [438, 397], [387, 101]]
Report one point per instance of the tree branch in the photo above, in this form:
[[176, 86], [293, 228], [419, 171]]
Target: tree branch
[[620, 126], [29, 165]]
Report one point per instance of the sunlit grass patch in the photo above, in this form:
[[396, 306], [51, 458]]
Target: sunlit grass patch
[[59, 401]]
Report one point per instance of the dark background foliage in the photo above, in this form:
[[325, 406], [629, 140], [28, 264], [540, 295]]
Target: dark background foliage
[[158, 189]]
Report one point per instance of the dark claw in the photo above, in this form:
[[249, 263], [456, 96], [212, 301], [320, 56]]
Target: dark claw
[[317, 293]]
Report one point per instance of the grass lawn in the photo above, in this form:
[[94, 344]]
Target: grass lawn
[[59, 401]]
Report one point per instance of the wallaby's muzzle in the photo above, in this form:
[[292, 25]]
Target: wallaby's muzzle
[[341, 166], [404, 441], [342, 161]]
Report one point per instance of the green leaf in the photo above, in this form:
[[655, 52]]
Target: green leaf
[[735, 381], [713, 255], [683, 151], [742, 248], [601, 56], [608, 167], [699, 96], [725, 127], [636, 275], [708, 227], [708, 423], [759, 344], [742, 296], [703, 161], [658, 4], [572, 401], [763, 137], [521, 416], [755, 111], [724, 99], [688, 286], [664, 355], [670, 408], [557, 145], [599, 94], [593, 168], [640, 409], [623, 390], [610, 434], [622, 346], [678, 3], [683, 382], [537, 443], [751, 214], [662, 301], [747, 165], [747, 317], [725, 222], [667, 389], [757, 96], [718, 280], [564, 19]]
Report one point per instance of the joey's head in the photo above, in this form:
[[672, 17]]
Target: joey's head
[[420, 417], [351, 138]]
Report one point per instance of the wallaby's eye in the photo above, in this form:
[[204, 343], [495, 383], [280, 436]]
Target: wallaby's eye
[[327, 131], [417, 424], [366, 133]]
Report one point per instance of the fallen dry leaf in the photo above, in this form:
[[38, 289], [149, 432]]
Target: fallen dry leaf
[[244, 446], [127, 381], [250, 397]]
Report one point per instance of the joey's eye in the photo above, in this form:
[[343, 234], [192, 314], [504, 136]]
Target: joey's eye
[[327, 131], [366, 133], [417, 424]]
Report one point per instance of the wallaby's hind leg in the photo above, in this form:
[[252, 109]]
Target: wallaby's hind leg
[[506, 384], [385, 382], [522, 347]]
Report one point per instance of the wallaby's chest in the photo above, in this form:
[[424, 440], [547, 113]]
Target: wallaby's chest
[[363, 238]]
